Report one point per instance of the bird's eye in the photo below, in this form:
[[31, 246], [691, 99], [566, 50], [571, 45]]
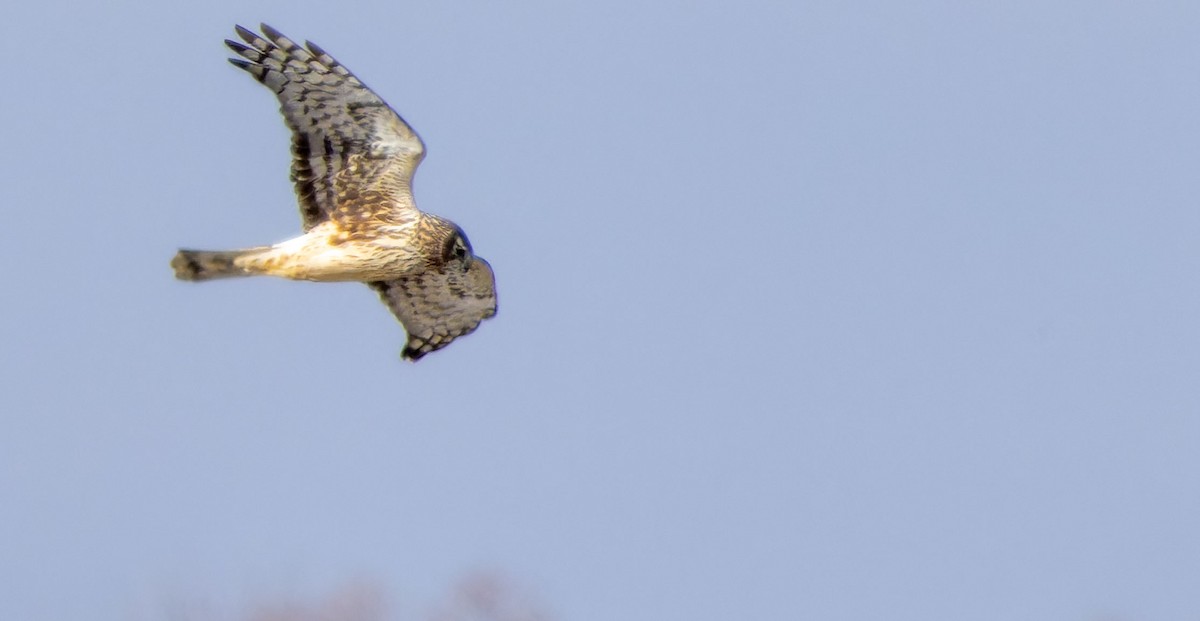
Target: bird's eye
[[459, 249]]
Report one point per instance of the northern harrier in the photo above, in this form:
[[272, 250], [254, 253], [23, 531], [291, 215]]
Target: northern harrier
[[353, 160]]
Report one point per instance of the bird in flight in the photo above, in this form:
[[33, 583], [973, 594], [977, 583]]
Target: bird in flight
[[353, 160]]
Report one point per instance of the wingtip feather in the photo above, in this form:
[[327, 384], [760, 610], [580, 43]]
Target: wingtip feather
[[238, 48], [245, 33], [412, 355], [270, 32], [315, 49]]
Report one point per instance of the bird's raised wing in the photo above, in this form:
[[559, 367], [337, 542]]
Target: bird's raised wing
[[440, 306], [353, 157]]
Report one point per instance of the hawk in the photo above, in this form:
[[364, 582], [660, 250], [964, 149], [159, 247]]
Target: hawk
[[353, 160]]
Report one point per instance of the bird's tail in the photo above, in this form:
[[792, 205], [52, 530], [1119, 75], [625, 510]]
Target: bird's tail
[[198, 265]]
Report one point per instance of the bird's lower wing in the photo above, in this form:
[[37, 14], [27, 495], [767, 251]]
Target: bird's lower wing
[[434, 310]]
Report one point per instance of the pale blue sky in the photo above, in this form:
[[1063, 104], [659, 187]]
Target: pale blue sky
[[808, 310]]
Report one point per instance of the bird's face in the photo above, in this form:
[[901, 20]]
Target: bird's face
[[483, 282], [468, 274]]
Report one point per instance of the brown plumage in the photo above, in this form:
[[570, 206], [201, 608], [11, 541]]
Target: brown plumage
[[353, 160]]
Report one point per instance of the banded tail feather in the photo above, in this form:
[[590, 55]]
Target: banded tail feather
[[200, 265]]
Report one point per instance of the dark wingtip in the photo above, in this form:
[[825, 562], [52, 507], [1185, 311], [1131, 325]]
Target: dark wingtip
[[241, 64], [417, 348], [315, 49], [245, 33], [271, 33]]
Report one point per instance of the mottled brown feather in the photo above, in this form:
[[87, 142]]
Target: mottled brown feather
[[432, 318], [353, 157]]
